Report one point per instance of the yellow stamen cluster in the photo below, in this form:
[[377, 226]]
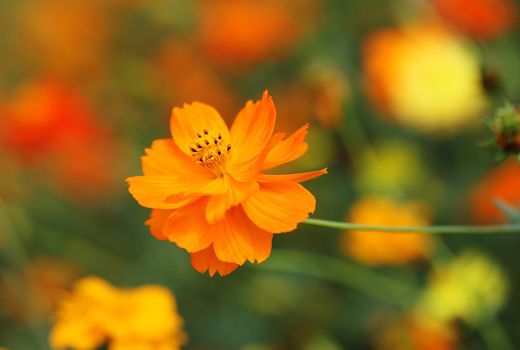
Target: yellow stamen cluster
[[209, 148]]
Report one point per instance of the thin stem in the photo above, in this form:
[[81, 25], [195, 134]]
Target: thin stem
[[450, 229], [20, 259]]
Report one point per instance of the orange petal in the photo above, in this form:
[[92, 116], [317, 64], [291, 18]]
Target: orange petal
[[193, 118], [237, 239], [279, 206], [156, 222], [252, 129], [157, 191], [206, 260], [300, 177], [287, 150], [188, 228], [165, 158], [237, 192]]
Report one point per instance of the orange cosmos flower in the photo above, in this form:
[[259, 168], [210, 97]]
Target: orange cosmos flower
[[479, 19], [502, 183], [209, 190]]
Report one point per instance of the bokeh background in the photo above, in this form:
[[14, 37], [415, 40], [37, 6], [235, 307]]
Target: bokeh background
[[394, 92]]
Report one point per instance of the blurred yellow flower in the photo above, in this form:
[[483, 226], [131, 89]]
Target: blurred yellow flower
[[376, 248], [391, 167], [471, 287], [96, 313], [424, 77]]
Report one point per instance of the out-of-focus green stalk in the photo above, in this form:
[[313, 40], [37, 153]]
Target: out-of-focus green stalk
[[450, 229], [19, 259], [381, 287]]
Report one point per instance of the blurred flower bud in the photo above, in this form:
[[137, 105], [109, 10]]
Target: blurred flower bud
[[506, 127]]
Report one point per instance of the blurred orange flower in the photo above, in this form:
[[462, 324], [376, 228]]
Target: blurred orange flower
[[178, 84], [248, 31], [323, 93], [415, 333], [97, 313], [423, 77], [66, 37], [208, 188], [48, 124], [47, 281], [376, 248], [502, 183], [480, 19]]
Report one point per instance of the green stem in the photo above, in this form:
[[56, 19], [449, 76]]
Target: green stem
[[450, 229]]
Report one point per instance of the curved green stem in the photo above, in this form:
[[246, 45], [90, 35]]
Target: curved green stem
[[450, 229]]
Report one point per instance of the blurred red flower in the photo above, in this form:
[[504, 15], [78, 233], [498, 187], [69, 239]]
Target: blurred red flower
[[502, 183], [51, 126], [479, 19]]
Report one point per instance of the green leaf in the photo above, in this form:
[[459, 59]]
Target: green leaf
[[512, 213]]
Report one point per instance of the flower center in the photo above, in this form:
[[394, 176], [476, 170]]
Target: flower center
[[210, 149]]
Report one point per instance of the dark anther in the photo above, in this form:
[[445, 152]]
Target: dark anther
[[219, 153], [199, 146], [207, 142], [229, 148], [219, 137], [193, 149], [215, 141], [205, 132]]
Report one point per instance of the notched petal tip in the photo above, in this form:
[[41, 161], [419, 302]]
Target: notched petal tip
[[205, 261]]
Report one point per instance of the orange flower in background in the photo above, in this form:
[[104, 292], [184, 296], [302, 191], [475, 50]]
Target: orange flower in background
[[249, 31], [413, 332], [377, 248], [480, 19], [503, 183], [50, 125], [423, 77], [74, 51], [178, 84], [322, 93], [209, 189], [96, 313], [37, 292]]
